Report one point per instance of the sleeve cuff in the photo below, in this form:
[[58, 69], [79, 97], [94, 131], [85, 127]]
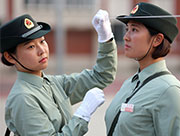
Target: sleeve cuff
[[107, 46]]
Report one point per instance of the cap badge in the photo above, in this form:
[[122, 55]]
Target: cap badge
[[28, 23], [134, 10]]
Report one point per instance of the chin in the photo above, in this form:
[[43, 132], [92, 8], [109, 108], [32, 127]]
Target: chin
[[130, 55], [127, 55], [43, 67]]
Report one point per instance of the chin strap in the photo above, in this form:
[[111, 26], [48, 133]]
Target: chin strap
[[20, 63], [7, 133], [146, 53]]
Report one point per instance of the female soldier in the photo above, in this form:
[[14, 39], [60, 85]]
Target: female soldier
[[148, 102], [40, 104]]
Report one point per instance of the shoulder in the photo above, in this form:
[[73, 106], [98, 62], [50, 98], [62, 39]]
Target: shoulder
[[162, 84], [57, 79], [169, 80], [169, 88], [22, 91], [169, 99], [18, 100]]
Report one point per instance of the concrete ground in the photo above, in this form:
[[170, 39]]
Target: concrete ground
[[126, 68]]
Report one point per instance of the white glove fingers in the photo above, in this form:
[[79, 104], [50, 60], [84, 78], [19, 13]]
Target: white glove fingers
[[101, 16], [98, 94], [92, 100], [102, 25], [98, 20], [103, 13], [102, 100]]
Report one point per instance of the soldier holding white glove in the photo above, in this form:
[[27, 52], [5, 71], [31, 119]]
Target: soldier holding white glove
[[40, 104], [103, 26], [92, 100]]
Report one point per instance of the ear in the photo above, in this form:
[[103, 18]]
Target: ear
[[9, 58], [158, 39]]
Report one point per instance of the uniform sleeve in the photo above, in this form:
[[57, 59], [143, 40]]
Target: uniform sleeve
[[166, 113], [30, 120], [102, 74], [75, 127]]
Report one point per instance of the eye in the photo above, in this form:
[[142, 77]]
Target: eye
[[43, 41], [134, 29], [127, 29], [31, 46]]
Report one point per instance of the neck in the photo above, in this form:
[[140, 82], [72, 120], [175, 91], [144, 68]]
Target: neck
[[145, 63], [37, 73]]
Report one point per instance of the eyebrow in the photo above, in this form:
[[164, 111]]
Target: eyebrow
[[133, 24], [26, 43], [32, 40]]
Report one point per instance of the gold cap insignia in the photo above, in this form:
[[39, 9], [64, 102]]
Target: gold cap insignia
[[134, 10], [28, 23]]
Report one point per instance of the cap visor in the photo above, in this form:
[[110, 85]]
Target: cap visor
[[45, 29], [123, 18]]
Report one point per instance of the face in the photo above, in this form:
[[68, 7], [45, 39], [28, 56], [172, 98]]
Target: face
[[33, 54], [137, 40]]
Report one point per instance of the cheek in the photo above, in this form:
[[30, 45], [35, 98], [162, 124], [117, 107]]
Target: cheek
[[26, 57], [141, 42], [139, 47], [46, 48]]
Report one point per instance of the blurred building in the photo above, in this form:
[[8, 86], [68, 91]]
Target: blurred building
[[74, 37], [76, 15]]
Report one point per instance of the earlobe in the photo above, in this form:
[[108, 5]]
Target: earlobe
[[158, 39], [8, 57]]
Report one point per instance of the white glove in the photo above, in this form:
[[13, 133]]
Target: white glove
[[92, 100], [103, 26]]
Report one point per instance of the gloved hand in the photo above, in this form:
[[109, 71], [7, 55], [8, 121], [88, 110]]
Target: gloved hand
[[103, 26], [92, 100]]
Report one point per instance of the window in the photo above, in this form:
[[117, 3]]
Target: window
[[70, 4], [39, 1], [80, 3], [38, 4]]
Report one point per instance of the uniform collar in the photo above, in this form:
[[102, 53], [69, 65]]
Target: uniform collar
[[32, 79], [150, 70]]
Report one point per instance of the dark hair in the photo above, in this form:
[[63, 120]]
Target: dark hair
[[4, 60], [163, 49]]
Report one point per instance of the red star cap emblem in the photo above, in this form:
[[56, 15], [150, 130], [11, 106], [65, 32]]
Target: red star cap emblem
[[28, 23], [134, 10]]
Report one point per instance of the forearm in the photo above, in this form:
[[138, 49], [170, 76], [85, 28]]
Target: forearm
[[75, 127], [106, 64], [102, 74], [43, 126]]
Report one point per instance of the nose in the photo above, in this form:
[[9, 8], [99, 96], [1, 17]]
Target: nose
[[126, 36], [41, 49]]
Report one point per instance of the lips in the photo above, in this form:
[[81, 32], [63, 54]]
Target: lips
[[43, 60], [127, 46]]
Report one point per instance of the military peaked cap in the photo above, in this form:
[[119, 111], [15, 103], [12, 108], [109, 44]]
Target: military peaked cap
[[153, 17], [19, 30]]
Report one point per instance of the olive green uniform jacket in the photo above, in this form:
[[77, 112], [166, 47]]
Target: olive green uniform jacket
[[154, 110], [42, 106]]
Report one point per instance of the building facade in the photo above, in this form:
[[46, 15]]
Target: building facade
[[71, 20]]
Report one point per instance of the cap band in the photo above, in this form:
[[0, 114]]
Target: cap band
[[159, 16], [153, 17], [32, 31]]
